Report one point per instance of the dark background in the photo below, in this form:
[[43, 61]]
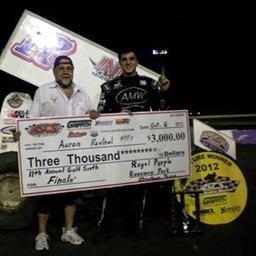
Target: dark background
[[198, 37]]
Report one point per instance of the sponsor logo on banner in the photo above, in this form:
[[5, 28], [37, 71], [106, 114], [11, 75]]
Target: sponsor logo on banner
[[8, 130], [15, 101], [106, 68], [214, 141], [32, 49], [208, 138], [221, 186]]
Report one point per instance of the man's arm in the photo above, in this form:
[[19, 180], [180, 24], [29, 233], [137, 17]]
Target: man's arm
[[34, 110], [164, 85], [105, 104]]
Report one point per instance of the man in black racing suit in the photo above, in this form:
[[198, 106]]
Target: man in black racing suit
[[133, 93], [130, 92]]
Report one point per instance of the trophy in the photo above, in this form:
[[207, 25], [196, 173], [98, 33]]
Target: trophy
[[185, 221], [174, 219], [197, 227], [181, 222]]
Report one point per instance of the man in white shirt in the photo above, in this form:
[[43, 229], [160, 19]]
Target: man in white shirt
[[60, 98]]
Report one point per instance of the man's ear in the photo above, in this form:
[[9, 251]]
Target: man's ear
[[54, 71]]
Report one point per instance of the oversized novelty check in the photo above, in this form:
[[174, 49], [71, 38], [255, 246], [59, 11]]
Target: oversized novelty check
[[59, 155]]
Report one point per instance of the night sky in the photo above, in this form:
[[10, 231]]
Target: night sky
[[198, 38]]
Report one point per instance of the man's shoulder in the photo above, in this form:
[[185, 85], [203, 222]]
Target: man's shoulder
[[113, 81], [47, 85], [108, 85], [45, 88], [80, 89]]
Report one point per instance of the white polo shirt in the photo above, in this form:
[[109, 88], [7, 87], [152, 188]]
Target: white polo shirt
[[50, 100]]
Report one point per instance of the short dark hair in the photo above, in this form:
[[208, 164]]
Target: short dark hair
[[62, 59], [126, 50]]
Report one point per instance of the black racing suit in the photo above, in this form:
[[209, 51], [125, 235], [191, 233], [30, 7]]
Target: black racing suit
[[137, 93]]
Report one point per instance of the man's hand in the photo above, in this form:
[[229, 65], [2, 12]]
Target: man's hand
[[94, 114], [163, 82], [16, 135], [126, 110]]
